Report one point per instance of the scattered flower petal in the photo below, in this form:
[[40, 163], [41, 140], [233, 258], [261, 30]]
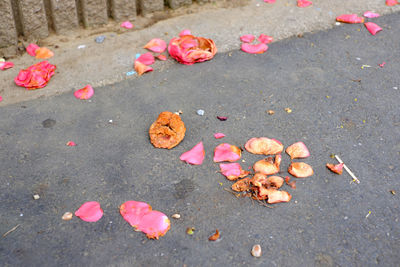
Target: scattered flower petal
[[71, 143], [133, 211], [194, 156], [370, 14], [219, 135], [300, 169], [254, 48], [256, 250], [162, 57], [6, 65], [167, 131], [215, 236], [275, 196], [303, 3], [391, 2], [241, 185], [190, 49], [44, 53], [1, 98], [372, 27], [90, 212], [141, 68], [154, 224], [265, 39], [184, 32], [292, 184], [146, 58], [233, 171], [268, 166], [382, 64], [156, 45], [297, 151], [31, 49], [227, 152], [85, 93], [248, 38], [264, 146], [350, 18], [127, 25], [36, 76], [222, 118], [338, 168]]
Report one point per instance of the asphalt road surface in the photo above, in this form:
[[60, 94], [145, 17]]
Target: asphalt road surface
[[337, 106]]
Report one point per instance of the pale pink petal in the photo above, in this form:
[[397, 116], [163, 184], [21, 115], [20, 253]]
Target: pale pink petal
[[232, 171], [370, 14], [269, 1], [90, 212], [185, 32], [156, 45], [265, 39], [391, 2], [133, 211], [194, 156], [146, 58], [303, 3], [298, 150], [264, 146], [222, 118], [382, 64], [254, 49], [127, 25], [162, 57], [372, 27], [6, 65], [219, 135], [154, 224], [31, 49], [71, 143], [338, 168], [84, 93], [248, 38], [350, 18], [226, 152]]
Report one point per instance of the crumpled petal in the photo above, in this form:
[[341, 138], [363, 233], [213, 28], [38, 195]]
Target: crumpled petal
[[194, 156], [36, 76], [391, 2], [44, 53], [261, 180], [90, 211], [372, 27], [265, 39], [303, 3], [227, 152], [350, 18], [215, 236], [300, 170], [292, 184], [6, 65], [241, 185], [254, 48], [219, 135], [264, 146], [268, 166], [336, 168], [269, 1], [156, 45], [233, 171], [370, 14], [133, 211], [167, 131], [154, 224], [190, 49], [248, 38], [127, 25], [71, 143], [298, 150], [146, 58], [162, 57], [142, 68], [185, 32], [31, 49], [85, 93]]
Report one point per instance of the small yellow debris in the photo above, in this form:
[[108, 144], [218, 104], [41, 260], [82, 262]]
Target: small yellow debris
[[256, 251], [220, 183], [67, 216], [363, 121], [328, 96], [176, 216], [341, 126], [288, 110], [393, 192], [347, 37], [355, 99], [369, 213], [190, 230]]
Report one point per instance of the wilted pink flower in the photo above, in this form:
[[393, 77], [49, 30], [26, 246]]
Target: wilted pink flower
[[189, 49], [36, 76]]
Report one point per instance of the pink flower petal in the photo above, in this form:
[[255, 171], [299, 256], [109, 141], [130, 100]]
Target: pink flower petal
[[154, 224], [232, 171], [71, 143], [298, 151], [6, 65], [1, 98], [194, 156], [382, 64], [264, 146], [185, 32], [303, 3], [254, 49], [127, 25], [248, 38], [133, 211], [226, 152], [265, 39], [370, 14], [31, 49], [146, 58], [90, 212], [372, 27], [350, 18], [219, 135], [84, 93], [338, 168], [156, 45], [162, 57], [269, 1], [222, 118], [391, 2], [142, 68]]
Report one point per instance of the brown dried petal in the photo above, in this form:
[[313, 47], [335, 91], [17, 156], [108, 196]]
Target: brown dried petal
[[167, 131], [300, 169], [241, 185], [215, 236], [275, 196]]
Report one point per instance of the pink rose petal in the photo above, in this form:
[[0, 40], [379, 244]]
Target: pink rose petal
[[391, 2], [90, 212], [194, 156], [156, 45], [154, 224], [336, 168], [269, 1], [232, 171], [372, 27], [248, 38], [31, 49], [219, 135], [6, 65], [350, 18], [146, 58], [382, 64], [127, 25], [1, 98], [222, 118], [133, 211], [185, 32], [303, 3], [71, 143], [370, 14], [141, 68], [84, 93], [298, 151], [254, 49], [265, 39], [226, 152], [162, 57]]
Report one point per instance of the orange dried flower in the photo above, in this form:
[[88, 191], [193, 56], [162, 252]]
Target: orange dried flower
[[167, 131]]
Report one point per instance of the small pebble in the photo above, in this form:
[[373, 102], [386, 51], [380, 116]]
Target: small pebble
[[337, 23], [395, 88], [110, 121], [67, 216], [200, 112], [36, 196], [176, 216], [256, 251], [100, 39]]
